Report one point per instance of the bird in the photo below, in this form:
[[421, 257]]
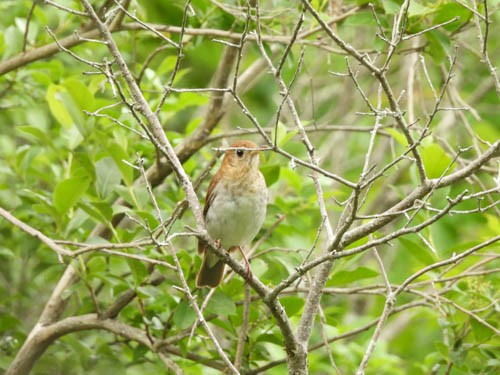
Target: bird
[[235, 209]]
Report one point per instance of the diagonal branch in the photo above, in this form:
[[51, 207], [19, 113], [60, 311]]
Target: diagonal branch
[[73, 40], [37, 234], [364, 230], [164, 145]]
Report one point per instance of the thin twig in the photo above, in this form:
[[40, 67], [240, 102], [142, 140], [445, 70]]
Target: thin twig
[[60, 251], [483, 39], [389, 303], [243, 330], [148, 27], [406, 37], [66, 9], [178, 60]]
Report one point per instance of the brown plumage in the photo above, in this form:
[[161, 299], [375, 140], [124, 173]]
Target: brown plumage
[[235, 208]]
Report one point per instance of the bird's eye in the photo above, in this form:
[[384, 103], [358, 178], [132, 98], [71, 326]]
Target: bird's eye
[[240, 153]]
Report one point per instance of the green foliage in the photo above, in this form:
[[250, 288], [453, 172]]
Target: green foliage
[[69, 151]]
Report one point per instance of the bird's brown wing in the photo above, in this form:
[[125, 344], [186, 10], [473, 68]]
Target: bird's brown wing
[[211, 193], [208, 201]]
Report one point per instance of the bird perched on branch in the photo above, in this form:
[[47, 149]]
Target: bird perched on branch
[[235, 208]]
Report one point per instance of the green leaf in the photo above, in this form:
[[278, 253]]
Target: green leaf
[[32, 32], [8, 322], [71, 137], [442, 349], [346, 277], [14, 41], [108, 176], [275, 339], [139, 353], [421, 253], [96, 267], [190, 128], [139, 271], [379, 44], [277, 272], [481, 332], [317, 4], [80, 94], [448, 11], [439, 45], [398, 136], [487, 131], [184, 315], [54, 69], [292, 179], [82, 165], [271, 174], [66, 108], [492, 223], [101, 211], [289, 135], [494, 363], [6, 253], [57, 97], [35, 132], [292, 304], [68, 192], [279, 133], [119, 155], [361, 19], [221, 304], [435, 160], [167, 65], [391, 6], [416, 9]]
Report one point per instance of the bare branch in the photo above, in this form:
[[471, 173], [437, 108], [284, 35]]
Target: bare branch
[[389, 303], [243, 334], [483, 39], [60, 251], [406, 37], [66, 9]]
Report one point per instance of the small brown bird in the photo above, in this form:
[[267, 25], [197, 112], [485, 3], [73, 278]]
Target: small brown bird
[[235, 208]]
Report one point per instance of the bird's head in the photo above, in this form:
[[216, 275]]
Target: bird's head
[[241, 158]]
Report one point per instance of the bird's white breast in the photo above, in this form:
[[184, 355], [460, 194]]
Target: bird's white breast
[[236, 215]]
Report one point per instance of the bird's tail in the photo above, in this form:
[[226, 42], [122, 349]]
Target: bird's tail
[[211, 271]]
